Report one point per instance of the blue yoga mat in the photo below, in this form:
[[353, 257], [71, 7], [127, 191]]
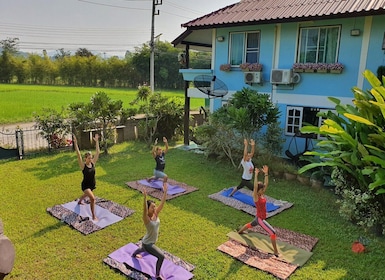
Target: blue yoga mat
[[158, 184], [247, 199], [147, 263]]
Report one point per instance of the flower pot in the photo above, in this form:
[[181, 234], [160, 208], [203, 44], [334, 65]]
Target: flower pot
[[309, 70], [322, 70], [336, 71], [298, 70]]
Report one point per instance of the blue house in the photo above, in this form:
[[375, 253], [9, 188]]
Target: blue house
[[309, 51]]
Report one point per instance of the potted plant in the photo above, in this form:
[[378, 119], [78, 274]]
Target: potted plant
[[225, 67], [298, 67], [335, 67], [321, 67], [251, 67]]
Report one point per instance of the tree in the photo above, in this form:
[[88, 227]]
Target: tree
[[9, 48], [83, 52], [243, 117], [101, 112], [162, 115]]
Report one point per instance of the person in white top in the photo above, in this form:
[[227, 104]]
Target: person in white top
[[248, 167]]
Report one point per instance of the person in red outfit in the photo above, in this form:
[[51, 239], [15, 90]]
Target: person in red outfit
[[260, 204]]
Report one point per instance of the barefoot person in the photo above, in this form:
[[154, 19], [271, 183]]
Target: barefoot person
[[152, 223], [248, 167], [159, 155], [88, 169], [260, 204]]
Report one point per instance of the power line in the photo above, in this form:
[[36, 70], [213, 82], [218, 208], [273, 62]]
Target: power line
[[114, 6]]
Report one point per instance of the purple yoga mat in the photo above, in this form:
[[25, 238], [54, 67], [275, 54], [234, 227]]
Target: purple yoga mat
[[158, 184], [146, 264]]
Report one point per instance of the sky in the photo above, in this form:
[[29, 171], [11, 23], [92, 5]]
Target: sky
[[105, 27]]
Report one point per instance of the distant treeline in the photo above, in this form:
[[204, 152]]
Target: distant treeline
[[86, 69]]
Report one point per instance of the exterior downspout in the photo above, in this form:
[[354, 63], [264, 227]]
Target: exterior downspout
[[275, 61], [364, 50], [186, 122]]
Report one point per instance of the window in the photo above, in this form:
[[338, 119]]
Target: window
[[244, 47], [296, 117], [319, 44]]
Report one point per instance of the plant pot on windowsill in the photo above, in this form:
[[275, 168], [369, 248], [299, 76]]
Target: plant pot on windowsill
[[309, 70], [335, 71], [298, 70], [322, 70]]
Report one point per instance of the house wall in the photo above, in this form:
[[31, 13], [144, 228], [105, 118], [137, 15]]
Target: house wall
[[278, 50]]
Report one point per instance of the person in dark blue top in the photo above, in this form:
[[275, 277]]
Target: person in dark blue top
[[88, 169], [159, 155]]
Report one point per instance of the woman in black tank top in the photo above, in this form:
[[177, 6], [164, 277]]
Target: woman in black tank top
[[88, 169]]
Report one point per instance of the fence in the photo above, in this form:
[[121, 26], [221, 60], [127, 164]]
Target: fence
[[18, 141]]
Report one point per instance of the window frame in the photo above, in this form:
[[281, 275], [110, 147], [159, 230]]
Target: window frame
[[246, 50], [317, 55], [301, 117]]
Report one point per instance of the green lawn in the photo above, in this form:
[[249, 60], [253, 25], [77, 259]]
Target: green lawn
[[19, 102], [192, 226]]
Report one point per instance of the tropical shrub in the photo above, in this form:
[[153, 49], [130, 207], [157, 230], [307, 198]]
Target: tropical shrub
[[354, 146], [243, 117], [54, 127]]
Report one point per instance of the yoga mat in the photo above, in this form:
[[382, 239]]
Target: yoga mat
[[158, 184], [158, 193], [79, 217], [147, 264], [105, 217], [247, 199], [288, 252], [257, 259], [237, 204]]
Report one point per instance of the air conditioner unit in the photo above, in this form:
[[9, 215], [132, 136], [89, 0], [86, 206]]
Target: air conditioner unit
[[281, 76], [252, 77]]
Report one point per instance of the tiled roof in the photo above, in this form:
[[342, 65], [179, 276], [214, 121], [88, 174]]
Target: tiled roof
[[263, 11]]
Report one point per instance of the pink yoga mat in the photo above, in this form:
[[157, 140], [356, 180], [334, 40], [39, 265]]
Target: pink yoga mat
[[146, 264]]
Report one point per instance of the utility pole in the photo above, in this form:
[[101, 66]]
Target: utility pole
[[152, 43]]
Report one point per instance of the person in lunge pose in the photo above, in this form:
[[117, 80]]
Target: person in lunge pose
[[248, 167], [152, 222], [159, 155], [260, 204], [88, 169]]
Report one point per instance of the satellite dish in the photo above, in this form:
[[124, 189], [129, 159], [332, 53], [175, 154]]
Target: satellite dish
[[210, 85]]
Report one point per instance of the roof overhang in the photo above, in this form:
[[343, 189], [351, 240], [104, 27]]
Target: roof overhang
[[196, 39]]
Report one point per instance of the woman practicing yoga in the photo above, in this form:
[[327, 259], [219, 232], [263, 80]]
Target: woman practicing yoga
[[260, 204], [152, 223], [88, 169], [159, 155], [248, 167]]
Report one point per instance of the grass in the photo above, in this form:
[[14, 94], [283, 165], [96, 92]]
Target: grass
[[192, 226], [19, 102]]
